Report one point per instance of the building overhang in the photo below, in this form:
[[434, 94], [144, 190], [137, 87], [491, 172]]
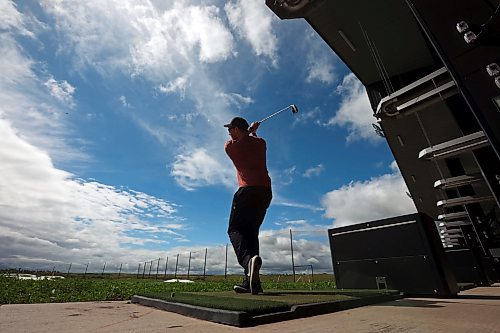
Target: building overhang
[[371, 37]]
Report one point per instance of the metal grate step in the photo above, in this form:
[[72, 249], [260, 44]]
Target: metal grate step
[[453, 223], [455, 147], [456, 181], [452, 216], [462, 201], [418, 95]]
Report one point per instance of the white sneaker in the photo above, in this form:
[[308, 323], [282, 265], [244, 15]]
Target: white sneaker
[[253, 267]]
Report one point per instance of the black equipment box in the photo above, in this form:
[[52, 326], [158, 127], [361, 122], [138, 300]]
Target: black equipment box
[[402, 253]]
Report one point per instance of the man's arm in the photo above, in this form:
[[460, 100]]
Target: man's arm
[[253, 128]]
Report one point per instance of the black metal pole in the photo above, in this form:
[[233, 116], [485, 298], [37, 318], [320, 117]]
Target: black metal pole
[[166, 265], [291, 248], [205, 264], [144, 269], [150, 266], [120, 272], [69, 268], [84, 274], [176, 265], [103, 268], [225, 266], [189, 264], [157, 268], [138, 269]]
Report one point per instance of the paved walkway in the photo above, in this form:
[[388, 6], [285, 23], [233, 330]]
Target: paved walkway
[[475, 310]]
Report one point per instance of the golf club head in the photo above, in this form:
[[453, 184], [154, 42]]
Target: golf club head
[[294, 108]]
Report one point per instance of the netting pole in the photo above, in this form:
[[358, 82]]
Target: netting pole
[[176, 265], [225, 266], [157, 268], [205, 264], [189, 264], [291, 248], [166, 265]]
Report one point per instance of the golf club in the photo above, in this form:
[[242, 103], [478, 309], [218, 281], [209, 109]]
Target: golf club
[[293, 107]]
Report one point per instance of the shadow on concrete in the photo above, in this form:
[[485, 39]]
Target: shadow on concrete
[[414, 303], [438, 302], [483, 297]]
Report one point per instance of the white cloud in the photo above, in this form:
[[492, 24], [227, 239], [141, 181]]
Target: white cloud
[[48, 215], [280, 201], [285, 177], [24, 101], [198, 168], [355, 112], [312, 116], [320, 66], [276, 251], [10, 18], [314, 171], [253, 22], [237, 99], [361, 201], [61, 90], [178, 85], [320, 69], [137, 36], [203, 27], [124, 101], [173, 48]]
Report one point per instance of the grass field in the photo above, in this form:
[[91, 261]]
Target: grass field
[[105, 288]]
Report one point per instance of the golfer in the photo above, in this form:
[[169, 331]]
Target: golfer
[[250, 202]]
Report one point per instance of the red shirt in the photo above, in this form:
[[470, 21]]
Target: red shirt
[[249, 158]]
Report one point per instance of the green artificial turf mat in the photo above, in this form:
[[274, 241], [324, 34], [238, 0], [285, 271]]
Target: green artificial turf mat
[[215, 301], [289, 298], [270, 301]]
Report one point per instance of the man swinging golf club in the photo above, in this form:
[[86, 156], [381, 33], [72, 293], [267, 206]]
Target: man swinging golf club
[[251, 200]]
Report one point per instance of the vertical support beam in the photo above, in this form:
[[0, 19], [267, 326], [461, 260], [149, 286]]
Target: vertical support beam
[[225, 266], [205, 264], [189, 264], [291, 248], [176, 265], [157, 268], [166, 265]]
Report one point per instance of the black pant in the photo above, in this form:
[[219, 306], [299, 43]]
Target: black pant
[[247, 214]]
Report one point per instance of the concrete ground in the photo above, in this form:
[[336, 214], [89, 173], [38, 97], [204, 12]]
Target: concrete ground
[[474, 310]]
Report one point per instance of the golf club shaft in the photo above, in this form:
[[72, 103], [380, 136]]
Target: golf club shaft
[[275, 114]]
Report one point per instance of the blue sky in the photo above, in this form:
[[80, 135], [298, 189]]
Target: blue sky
[[111, 136]]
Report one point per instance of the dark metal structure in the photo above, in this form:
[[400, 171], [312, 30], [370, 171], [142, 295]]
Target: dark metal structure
[[432, 74], [402, 253]]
